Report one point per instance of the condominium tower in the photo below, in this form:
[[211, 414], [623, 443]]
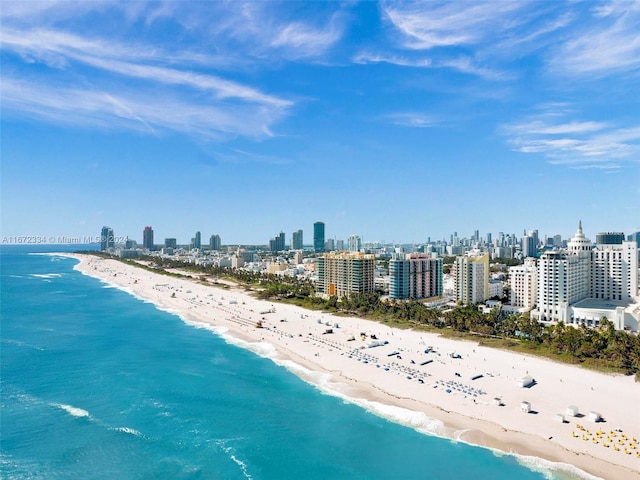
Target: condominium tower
[[523, 284], [343, 273], [354, 243], [107, 239], [147, 238], [296, 240], [471, 278], [415, 275], [318, 237]]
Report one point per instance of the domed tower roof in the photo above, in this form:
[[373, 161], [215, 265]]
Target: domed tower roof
[[580, 243]]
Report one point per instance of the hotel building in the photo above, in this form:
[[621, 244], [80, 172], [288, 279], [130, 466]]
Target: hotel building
[[471, 278], [415, 275], [581, 285], [523, 286], [342, 273], [564, 277]]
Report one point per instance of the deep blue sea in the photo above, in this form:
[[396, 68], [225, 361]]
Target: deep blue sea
[[96, 384]]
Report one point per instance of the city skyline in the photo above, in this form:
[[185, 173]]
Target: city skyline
[[286, 242], [394, 121]]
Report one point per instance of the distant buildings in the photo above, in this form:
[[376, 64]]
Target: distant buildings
[[318, 237], [529, 246], [329, 245], [609, 238], [277, 244], [196, 241], [296, 240], [170, 243], [354, 243], [147, 238], [471, 278], [343, 273], [214, 242], [415, 275], [107, 240]]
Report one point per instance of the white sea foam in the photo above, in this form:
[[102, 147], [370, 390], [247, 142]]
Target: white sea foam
[[547, 468], [232, 456], [46, 275], [130, 431], [74, 411], [19, 343]]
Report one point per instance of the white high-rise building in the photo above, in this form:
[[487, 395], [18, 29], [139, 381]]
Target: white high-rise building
[[354, 243], [471, 278], [614, 272], [523, 284], [564, 278]]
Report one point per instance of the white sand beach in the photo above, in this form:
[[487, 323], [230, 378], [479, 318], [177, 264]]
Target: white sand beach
[[471, 390]]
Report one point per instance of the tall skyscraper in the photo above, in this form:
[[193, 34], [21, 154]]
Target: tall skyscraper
[[214, 242], [107, 239], [170, 243], [564, 278], [343, 273], [471, 278], [415, 275], [277, 244], [197, 240], [529, 247], [147, 238], [354, 243], [614, 271], [296, 240], [318, 237]]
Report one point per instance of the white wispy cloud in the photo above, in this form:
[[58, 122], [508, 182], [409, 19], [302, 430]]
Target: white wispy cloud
[[578, 144], [269, 31], [148, 110], [412, 119], [301, 40], [427, 25], [607, 45], [365, 57], [467, 65], [214, 101]]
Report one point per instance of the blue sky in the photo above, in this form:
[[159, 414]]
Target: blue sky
[[395, 121]]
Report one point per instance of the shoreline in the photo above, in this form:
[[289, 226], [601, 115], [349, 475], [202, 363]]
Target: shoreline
[[402, 388]]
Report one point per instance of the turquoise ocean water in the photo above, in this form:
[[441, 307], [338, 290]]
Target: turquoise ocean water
[[96, 384]]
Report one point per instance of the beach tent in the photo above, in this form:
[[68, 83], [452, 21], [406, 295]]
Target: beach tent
[[572, 411], [525, 407], [594, 416], [525, 382], [559, 418]]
